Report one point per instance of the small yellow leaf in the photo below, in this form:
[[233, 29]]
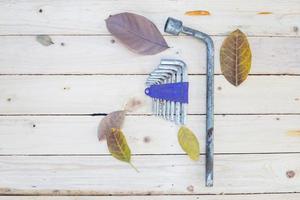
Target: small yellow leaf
[[189, 142], [197, 12], [118, 147], [235, 57]]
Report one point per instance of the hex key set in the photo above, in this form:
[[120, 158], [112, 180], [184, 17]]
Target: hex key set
[[168, 87]]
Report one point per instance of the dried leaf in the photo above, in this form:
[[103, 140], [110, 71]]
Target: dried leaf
[[197, 12], [44, 40], [112, 120], [118, 147], [294, 133], [189, 142], [264, 13], [136, 32], [235, 57]]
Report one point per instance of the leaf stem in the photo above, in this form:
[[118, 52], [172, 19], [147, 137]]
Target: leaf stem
[[134, 167]]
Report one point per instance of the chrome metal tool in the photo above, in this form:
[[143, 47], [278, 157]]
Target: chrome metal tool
[[174, 27], [168, 87]]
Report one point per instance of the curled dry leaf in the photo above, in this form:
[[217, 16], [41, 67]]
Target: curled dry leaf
[[235, 57], [112, 120], [189, 142], [118, 147], [137, 33], [44, 40], [197, 12]]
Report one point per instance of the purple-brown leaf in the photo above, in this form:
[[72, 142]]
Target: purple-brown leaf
[[136, 32], [112, 120]]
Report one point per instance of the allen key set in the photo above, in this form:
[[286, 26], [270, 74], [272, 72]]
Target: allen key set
[[168, 87]]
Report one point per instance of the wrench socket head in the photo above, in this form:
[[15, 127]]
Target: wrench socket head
[[173, 26]]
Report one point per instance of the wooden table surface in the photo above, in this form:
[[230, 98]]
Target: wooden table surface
[[48, 94]]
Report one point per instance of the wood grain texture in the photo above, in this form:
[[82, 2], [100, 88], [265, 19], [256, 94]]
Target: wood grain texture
[[173, 174], [104, 94], [153, 197], [86, 55], [69, 135], [60, 155], [58, 17]]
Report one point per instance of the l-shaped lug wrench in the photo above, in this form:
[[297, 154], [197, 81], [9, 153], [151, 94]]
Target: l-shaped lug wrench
[[174, 27]]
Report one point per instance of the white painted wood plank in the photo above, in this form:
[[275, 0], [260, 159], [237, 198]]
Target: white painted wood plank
[[158, 175], [87, 17], [153, 197], [97, 54], [146, 134], [103, 94]]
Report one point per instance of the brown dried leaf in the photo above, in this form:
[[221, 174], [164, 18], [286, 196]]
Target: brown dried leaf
[[118, 147], [197, 12], [137, 33], [235, 57], [112, 120]]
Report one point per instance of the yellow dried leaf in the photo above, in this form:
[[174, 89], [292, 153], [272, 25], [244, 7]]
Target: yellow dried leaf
[[235, 57], [264, 13], [118, 147], [294, 133], [189, 142], [197, 12]]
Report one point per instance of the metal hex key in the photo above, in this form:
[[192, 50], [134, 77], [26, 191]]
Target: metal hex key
[[174, 27], [182, 110], [149, 82], [153, 80], [172, 79], [176, 78], [165, 76]]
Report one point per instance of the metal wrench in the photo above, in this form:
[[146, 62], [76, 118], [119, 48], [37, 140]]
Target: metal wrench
[[174, 27]]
